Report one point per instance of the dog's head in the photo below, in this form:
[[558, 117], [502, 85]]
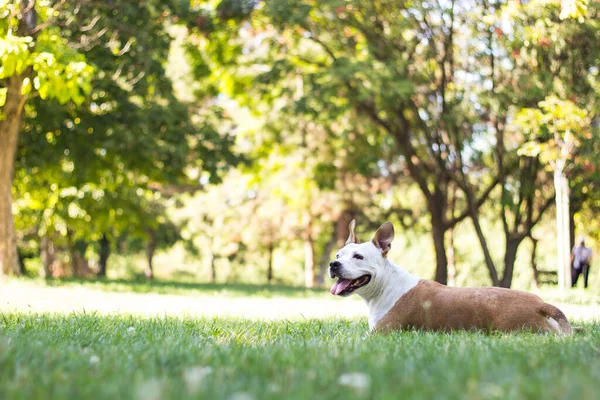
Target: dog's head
[[358, 266]]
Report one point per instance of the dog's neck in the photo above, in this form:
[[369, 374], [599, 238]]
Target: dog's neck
[[385, 291]]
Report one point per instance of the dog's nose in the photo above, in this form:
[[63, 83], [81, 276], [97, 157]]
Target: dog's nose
[[334, 267]]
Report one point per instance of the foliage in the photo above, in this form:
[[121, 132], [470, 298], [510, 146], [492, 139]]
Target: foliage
[[388, 91], [111, 163], [59, 71], [424, 113], [554, 127]]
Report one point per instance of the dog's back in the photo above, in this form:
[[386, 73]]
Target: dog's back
[[433, 306]]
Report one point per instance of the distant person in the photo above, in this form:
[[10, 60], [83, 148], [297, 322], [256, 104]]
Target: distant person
[[581, 257]]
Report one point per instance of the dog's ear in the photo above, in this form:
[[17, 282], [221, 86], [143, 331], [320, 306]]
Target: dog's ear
[[352, 236], [383, 237]]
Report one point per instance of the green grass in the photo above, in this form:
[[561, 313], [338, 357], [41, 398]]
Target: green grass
[[181, 288], [87, 356], [550, 294]]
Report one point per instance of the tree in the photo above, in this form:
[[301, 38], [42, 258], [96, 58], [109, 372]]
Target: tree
[[35, 61], [218, 216], [582, 175], [384, 66], [109, 165], [555, 61], [554, 129], [524, 190]]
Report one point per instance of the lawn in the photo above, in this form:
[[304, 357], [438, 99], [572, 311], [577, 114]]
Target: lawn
[[80, 340], [85, 356], [182, 288]]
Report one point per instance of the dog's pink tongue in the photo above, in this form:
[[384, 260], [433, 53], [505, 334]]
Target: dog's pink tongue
[[339, 286]]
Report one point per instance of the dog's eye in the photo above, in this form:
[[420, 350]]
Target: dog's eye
[[358, 256], [337, 256]]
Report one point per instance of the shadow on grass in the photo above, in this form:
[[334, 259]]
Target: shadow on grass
[[188, 288]]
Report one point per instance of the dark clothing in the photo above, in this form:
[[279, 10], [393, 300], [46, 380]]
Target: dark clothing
[[575, 272]]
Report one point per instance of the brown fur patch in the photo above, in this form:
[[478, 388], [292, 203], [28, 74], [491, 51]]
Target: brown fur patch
[[432, 306]]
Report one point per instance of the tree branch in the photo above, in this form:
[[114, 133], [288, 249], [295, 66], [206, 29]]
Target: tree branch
[[543, 209], [478, 203]]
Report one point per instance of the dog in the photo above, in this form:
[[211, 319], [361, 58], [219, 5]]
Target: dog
[[398, 300]]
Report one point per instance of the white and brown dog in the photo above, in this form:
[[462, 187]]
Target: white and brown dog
[[398, 300]]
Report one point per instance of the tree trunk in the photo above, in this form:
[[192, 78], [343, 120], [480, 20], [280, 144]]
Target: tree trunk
[[213, 268], [510, 256], [536, 273], [562, 229], [451, 258], [21, 258], [47, 256], [104, 253], [325, 258], [571, 225], [474, 214], [150, 249], [438, 231], [441, 269], [270, 265], [72, 252], [10, 126], [9, 138], [451, 248], [486, 252], [309, 262], [212, 260], [77, 249]]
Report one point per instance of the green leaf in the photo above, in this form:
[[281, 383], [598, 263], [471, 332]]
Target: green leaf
[[3, 92], [530, 149], [43, 90]]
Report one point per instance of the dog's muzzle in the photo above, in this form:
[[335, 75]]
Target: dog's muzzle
[[334, 268]]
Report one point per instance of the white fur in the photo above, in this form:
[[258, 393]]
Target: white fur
[[388, 282], [554, 325]]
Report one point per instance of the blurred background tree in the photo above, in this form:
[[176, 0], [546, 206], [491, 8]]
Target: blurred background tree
[[36, 61], [238, 138], [127, 149]]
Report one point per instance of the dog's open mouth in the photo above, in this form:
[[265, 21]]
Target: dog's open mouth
[[344, 287]]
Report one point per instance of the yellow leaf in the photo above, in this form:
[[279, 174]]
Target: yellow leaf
[[26, 89], [3, 92]]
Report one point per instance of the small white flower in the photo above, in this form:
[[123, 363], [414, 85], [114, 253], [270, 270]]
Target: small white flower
[[131, 330], [149, 390], [355, 380], [492, 391], [241, 396], [94, 359], [194, 376]]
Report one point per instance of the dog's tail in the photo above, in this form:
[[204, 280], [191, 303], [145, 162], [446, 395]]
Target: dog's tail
[[557, 321]]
